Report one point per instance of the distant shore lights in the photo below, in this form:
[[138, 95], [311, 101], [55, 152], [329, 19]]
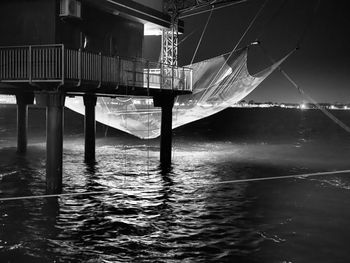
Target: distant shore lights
[[302, 106]]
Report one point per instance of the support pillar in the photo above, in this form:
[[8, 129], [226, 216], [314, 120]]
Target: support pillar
[[54, 102], [90, 127], [166, 103], [23, 100]]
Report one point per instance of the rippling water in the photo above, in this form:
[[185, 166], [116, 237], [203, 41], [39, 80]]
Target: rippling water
[[150, 215]]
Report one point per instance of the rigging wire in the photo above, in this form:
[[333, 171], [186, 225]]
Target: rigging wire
[[247, 180], [106, 105], [148, 122], [215, 8], [308, 97], [300, 90], [235, 47], [186, 37], [200, 39]]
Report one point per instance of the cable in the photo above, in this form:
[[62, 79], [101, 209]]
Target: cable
[[215, 8], [200, 39], [148, 123], [280, 177], [52, 195], [308, 97], [186, 37], [208, 184], [235, 47]]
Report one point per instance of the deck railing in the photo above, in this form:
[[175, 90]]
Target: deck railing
[[55, 63]]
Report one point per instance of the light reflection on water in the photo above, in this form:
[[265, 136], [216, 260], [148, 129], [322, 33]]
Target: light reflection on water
[[152, 216]]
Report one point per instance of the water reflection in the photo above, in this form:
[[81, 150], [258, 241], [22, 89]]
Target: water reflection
[[144, 213]]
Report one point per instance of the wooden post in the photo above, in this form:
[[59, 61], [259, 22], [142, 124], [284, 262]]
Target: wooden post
[[90, 127]]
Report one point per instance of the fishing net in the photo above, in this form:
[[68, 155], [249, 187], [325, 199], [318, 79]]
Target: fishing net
[[218, 83]]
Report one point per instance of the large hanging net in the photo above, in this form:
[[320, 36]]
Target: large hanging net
[[218, 83]]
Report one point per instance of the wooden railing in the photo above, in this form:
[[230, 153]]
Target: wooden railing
[[55, 63]]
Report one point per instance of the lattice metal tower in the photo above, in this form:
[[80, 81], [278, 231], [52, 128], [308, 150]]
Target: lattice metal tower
[[175, 8], [170, 35], [169, 45]]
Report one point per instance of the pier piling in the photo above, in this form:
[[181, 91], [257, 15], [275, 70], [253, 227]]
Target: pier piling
[[90, 127], [166, 103], [23, 100], [54, 102]]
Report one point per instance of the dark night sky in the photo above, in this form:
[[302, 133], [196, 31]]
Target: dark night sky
[[321, 67]]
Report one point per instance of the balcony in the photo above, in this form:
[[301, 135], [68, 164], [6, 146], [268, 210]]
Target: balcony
[[76, 70]]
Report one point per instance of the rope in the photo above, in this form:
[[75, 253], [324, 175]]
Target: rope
[[308, 97], [148, 125], [201, 186], [235, 47], [106, 105], [200, 39], [280, 177], [52, 195]]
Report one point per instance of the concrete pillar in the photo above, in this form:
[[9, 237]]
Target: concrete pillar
[[90, 127], [166, 103], [54, 102], [23, 100]]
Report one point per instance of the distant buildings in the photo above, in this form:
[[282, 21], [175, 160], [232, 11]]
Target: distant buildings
[[11, 99], [302, 106]]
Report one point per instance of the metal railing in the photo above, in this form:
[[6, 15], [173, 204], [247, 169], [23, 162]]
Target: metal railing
[[55, 63]]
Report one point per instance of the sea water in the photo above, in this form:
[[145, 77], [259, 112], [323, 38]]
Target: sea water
[[146, 214]]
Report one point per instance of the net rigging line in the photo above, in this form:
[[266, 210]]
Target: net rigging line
[[284, 73], [204, 11], [186, 37], [306, 96], [203, 31], [148, 126], [247, 180], [235, 47]]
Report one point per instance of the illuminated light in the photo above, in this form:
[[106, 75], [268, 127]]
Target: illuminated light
[[332, 107], [303, 106], [345, 107], [176, 104], [85, 42], [283, 106], [151, 29], [255, 43]]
